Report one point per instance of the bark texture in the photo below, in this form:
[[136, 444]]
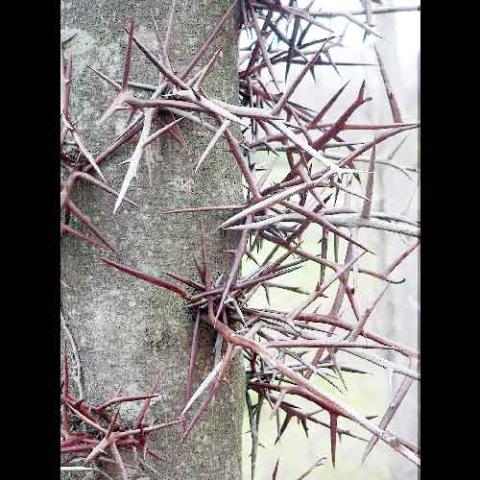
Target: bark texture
[[127, 331]]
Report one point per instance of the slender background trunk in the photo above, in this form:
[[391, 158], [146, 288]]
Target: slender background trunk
[[400, 309], [127, 331], [402, 304]]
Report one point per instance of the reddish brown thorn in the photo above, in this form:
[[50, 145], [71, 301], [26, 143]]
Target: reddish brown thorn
[[245, 284], [275, 470], [203, 209], [173, 130], [400, 259], [113, 401], [207, 279], [88, 224], [327, 107], [186, 281], [113, 423], [239, 252], [333, 435], [169, 76], [191, 364], [131, 115], [303, 422], [367, 204], [123, 139], [323, 222], [128, 56], [68, 185], [148, 278], [255, 52], [323, 254], [347, 161], [86, 418], [146, 405], [285, 423], [291, 45], [167, 128], [211, 395], [396, 115], [389, 414], [211, 37], [111, 82], [208, 68], [261, 42], [154, 454], [293, 86], [241, 162], [342, 120], [381, 276], [67, 229], [122, 95]]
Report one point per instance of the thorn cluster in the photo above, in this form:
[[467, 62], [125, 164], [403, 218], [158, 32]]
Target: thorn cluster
[[284, 351], [95, 433]]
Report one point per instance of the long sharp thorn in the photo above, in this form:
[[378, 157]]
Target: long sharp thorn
[[275, 470], [101, 185], [211, 37], [263, 48], [293, 86], [192, 361], [285, 423], [119, 461], [225, 124], [148, 278], [367, 204], [141, 415], [111, 82], [396, 115], [161, 131], [239, 252], [67, 229], [389, 414], [134, 159], [327, 107], [88, 224], [87, 154], [224, 365], [292, 43], [128, 56]]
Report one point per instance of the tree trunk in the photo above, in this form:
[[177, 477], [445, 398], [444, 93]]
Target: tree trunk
[[128, 331]]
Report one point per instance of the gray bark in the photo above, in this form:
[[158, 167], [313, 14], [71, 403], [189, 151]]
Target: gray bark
[[127, 331]]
